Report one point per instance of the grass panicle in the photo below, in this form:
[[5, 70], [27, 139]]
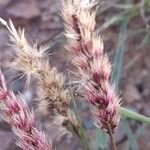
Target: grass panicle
[[53, 98], [16, 112], [93, 66]]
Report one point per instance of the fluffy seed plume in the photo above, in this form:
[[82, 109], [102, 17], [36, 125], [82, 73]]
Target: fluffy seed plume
[[93, 66], [54, 98], [27, 57], [31, 60], [16, 112]]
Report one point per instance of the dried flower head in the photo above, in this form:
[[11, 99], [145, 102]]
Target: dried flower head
[[27, 57], [16, 112], [31, 60], [93, 66], [54, 98]]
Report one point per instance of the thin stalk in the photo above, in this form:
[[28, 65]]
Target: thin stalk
[[113, 144], [133, 115], [82, 133]]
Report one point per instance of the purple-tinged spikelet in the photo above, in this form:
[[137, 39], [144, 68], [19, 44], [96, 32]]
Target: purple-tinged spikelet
[[16, 112], [93, 66]]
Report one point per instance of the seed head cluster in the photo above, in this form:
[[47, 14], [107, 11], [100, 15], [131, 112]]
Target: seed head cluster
[[92, 64], [16, 112], [53, 98], [93, 70]]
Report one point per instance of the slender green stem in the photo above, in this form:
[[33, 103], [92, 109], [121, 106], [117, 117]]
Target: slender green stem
[[133, 115], [82, 133]]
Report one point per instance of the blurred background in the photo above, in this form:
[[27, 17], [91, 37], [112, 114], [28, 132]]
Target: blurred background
[[125, 29]]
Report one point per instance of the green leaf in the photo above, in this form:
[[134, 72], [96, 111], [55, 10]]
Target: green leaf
[[84, 138], [133, 115], [123, 6], [112, 20], [117, 64], [115, 76], [130, 135]]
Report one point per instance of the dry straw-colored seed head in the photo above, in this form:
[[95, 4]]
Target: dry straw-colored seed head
[[54, 97], [27, 57], [31, 60]]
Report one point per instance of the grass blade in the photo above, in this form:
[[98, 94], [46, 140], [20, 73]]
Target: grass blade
[[133, 115], [113, 20], [115, 76], [84, 138], [117, 64], [130, 135]]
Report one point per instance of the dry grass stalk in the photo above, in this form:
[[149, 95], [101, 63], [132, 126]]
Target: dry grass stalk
[[92, 64], [16, 112], [53, 98]]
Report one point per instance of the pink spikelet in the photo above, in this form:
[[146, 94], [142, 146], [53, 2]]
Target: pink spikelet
[[16, 112], [93, 66]]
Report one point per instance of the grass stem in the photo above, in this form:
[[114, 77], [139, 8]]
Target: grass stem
[[82, 134], [113, 144]]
